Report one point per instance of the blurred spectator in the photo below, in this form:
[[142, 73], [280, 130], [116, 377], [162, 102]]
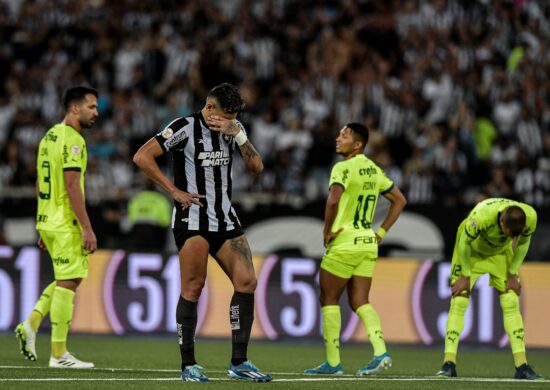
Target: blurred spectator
[[477, 70], [149, 216]]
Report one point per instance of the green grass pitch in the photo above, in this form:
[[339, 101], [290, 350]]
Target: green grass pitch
[[140, 362]]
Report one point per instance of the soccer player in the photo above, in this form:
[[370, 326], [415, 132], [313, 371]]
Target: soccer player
[[63, 225], [493, 239], [352, 247], [204, 221]]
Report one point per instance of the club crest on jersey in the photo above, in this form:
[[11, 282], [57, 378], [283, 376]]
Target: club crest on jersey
[[215, 158], [226, 138], [167, 133]]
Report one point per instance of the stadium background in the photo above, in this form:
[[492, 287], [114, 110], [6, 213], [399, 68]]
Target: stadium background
[[456, 95]]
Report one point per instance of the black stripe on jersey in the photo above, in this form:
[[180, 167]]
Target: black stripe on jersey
[[76, 169], [199, 172], [222, 225], [180, 180]]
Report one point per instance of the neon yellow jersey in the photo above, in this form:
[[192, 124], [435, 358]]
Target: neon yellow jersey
[[483, 230], [61, 149], [150, 207], [362, 181]]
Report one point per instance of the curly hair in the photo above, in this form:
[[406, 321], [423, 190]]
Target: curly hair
[[228, 97]]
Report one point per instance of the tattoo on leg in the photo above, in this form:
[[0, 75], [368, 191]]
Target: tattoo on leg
[[240, 246]]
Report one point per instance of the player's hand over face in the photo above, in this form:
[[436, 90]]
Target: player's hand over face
[[329, 236], [513, 283], [461, 284], [89, 240], [186, 199], [226, 126]]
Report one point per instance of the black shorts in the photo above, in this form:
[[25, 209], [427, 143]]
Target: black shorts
[[215, 239]]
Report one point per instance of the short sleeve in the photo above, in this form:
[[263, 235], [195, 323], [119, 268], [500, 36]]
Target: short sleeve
[[74, 149], [339, 175], [385, 183], [175, 135]]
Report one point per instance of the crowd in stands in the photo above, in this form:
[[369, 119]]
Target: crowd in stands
[[456, 92]]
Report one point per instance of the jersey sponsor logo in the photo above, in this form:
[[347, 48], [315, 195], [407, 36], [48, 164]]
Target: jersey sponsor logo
[[41, 218], [51, 137], [367, 171], [213, 159], [60, 260], [167, 133], [75, 149], [364, 240], [175, 138]]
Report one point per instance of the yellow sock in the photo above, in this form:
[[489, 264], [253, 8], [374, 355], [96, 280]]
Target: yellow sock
[[58, 348], [332, 320], [449, 357], [61, 316], [513, 325], [371, 322], [455, 325], [520, 359], [42, 307], [35, 319]]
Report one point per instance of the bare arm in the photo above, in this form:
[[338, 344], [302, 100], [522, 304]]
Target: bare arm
[[72, 185], [252, 158], [145, 159], [397, 203], [331, 210]]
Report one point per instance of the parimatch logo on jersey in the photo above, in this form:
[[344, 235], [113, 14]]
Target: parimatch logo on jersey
[[213, 159]]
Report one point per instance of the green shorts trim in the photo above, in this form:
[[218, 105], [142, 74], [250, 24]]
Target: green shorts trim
[[70, 260], [346, 264]]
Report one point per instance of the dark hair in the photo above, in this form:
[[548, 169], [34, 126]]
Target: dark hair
[[360, 132], [514, 219], [228, 97], [77, 94]]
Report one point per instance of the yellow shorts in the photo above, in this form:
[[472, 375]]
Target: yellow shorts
[[346, 264], [70, 259], [496, 266]]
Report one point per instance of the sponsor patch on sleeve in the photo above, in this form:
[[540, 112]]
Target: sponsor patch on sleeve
[[75, 149]]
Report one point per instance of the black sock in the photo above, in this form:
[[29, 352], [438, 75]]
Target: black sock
[[241, 316], [186, 318]]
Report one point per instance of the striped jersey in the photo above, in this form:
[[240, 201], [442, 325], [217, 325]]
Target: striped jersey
[[202, 162]]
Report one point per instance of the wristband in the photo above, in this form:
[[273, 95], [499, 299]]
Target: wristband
[[381, 232], [241, 138]]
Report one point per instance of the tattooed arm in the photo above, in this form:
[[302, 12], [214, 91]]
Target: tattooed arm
[[252, 158]]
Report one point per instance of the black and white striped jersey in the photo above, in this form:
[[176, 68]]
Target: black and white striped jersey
[[202, 162]]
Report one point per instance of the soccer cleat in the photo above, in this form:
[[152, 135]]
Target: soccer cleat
[[376, 365], [27, 340], [67, 360], [247, 371], [325, 369], [525, 371], [447, 371], [193, 373]]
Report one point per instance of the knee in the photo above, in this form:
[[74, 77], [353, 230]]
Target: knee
[[246, 284], [509, 302], [192, 288]]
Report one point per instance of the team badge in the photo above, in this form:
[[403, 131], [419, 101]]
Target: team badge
[[75, 149], [226, 138], [167, 133]]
